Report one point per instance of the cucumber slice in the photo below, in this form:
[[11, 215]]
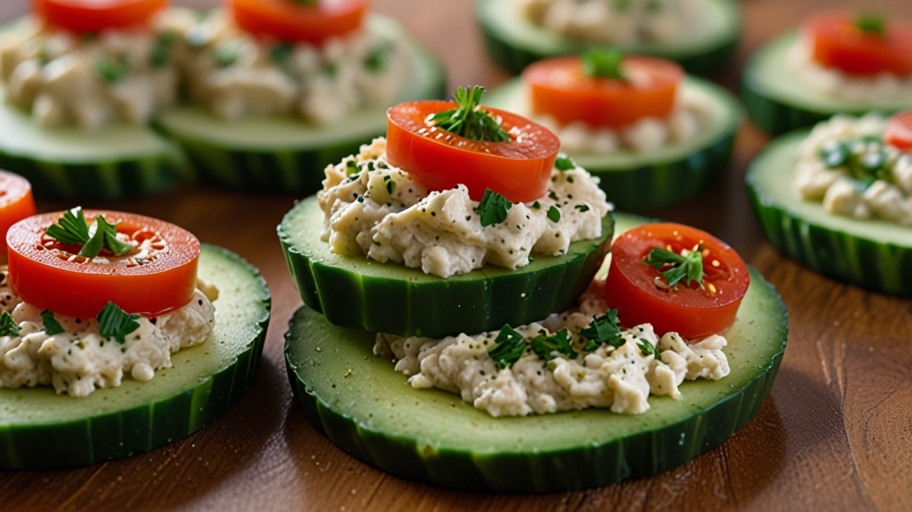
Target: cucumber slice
[[114, 162], [356, 292], [638, 182], [514, 43], [40, 429], [871, 253], [284, 154], [367, 409], [778, 102]]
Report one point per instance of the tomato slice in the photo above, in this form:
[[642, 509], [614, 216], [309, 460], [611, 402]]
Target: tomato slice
[[557, 87], [83, 16], [51, 276], [518, 169], [694, 313], [836, 42], [16, 203], [286, 20], [899, 130]]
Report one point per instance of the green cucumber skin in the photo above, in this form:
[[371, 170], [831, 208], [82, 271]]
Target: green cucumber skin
[[646, 453], [400, 306], [139, 429], [773, 116]]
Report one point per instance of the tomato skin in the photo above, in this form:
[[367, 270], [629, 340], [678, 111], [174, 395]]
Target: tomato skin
[[45, 279], [836, 42], [82, 16], [439, 160], [690, 311], [16, 203], [899, 130], [557, 87], [285, 21]]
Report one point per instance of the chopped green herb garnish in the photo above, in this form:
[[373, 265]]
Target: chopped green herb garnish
[[468, 119], [228, 53], [351, 168], [510, 347], [116, 323], [330, 70], [493, 208], [545, 346], [835, 154], [564, 162], [536, 205], [647, 348], [111, 71], [582, 207], [8, 326], [603, 63], [872, 24], [654, 6], [622, 5], [390, 184], [554, 213], [160, 54], [376, 60], [603, 329], [675, 267], [281, 52], [51, 325], [73, 229]]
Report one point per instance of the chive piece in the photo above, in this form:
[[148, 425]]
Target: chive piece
[[116, 323], [468, 119], [647, 348], [390, 184], [564, 162], [377, 59], [72, 228], [554, 213], [603, 63], [111, 71], [493, 208], [871, 24], [510, 348], [51, 325], [8, 326], [582, 207], [675, 267], [282, 52]]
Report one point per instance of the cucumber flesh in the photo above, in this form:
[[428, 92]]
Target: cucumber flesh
[[515, 43], [356, 292], [40, 429], [642, 181], [284, 154], [778, 101], [874, 254], [368, 410]]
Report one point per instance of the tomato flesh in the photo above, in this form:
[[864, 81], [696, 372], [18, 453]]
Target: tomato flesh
[[899, 131], [16, 203], [519, 169], [559, 88], [836, 42], [694, 313], [286, 21], [82, 16], [46, 274]]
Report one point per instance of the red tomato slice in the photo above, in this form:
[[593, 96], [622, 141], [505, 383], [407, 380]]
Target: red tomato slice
[[557, 87], [899, 130], [16, 203], [692, 312], [286, 20], [836, 42], [83, 16], [518, 169], [49, 275]]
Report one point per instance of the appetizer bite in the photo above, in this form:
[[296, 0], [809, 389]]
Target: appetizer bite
[[134, 354], [701, 35], [652, 135], [836, 63], [279, 89], [79, 80], [16, 203], [837, 199]]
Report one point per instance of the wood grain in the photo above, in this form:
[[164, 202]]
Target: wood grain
[[834, 435]]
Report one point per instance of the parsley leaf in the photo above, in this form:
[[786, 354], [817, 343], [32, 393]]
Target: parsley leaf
[[468, 119], [564, 162], [510, 347], [603, 329], [582, 207], [116, 323], [545, 346], [281, 52], [872, 24], [376, 60], [493, 208], [51, 325], [8, 326], [647, 348], [681, 267], [603, 63], [72, 228], [554, 213]]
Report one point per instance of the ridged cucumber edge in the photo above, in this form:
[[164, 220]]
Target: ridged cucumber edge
[[588, 465], [143, 428], [772, 115], [433, 306]]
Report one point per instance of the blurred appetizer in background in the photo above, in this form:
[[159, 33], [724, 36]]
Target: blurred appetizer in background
[[701, 35], [836, 63], [652, 135], [16, 203]]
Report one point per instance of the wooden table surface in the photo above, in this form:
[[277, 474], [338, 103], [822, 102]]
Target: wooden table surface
[[834, 434]]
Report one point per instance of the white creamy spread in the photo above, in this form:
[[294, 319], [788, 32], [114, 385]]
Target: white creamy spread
[[835, 83], [80, 360], [841, 188], [691, 115], [375, 209], [621, 379], [236, 75], [90, 80], [615, 21]]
